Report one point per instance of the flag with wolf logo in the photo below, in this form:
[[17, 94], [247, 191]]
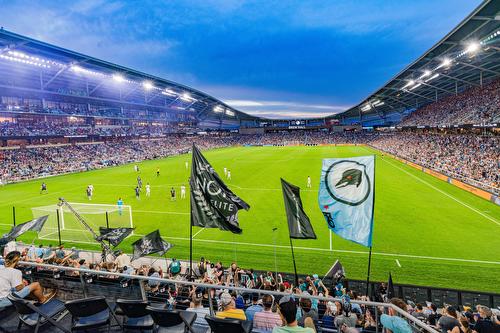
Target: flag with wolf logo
[[114, 235], [213, 205], [346, 197], [299, 224], [149, 244], [16, 231]]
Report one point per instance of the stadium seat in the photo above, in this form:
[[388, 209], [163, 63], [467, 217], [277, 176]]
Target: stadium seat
[[136, 315], [228, 325], [90, 313], [35, 317], [172, 321]]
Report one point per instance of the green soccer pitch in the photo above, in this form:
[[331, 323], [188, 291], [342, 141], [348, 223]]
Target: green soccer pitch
[[427, 232]]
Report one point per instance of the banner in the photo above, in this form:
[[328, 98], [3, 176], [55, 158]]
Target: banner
[[336, 272], [16, 231], [299, 224], [346, 197], [149, 244], [213, 205], [390, 288], [114, 235]]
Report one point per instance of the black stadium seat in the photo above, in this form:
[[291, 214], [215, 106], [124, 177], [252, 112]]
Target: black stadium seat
[[35, 317], [136, 315], [220, 325], [172, 321], [90, 313]]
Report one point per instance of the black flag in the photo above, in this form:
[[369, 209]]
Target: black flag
[[149, 244], [390, 288], [299, 224], [213, 205], [16, 231], [336, 272], [114, 235]]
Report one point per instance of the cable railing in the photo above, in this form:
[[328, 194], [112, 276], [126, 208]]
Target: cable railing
[[85, 274]]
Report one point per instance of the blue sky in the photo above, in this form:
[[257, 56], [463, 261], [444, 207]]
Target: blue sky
[[271, 58]]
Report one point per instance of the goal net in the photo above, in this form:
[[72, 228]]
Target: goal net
[[72, 230]]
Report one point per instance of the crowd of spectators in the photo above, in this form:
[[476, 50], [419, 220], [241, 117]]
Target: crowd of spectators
[[478, 105], [292, 313], [471, 158]]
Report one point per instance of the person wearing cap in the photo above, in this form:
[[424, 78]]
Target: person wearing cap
[[392, 321], [254, 308], [229, 308], [344, 315], [197, 306], [11, 280], [288, 311]]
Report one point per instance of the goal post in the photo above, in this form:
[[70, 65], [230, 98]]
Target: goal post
[[96, 215]]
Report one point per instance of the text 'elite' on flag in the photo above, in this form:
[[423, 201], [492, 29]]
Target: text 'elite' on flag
[[213, 205]]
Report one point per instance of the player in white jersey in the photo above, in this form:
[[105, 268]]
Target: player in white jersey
[[186, 164], [228, 174], [148, 190], [309, 182], [183, 192], [225, 172]]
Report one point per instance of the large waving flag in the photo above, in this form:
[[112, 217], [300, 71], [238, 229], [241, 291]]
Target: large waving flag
[[16, 231], [299, 224], [149, 244], [213, 205], [346, 197], [114, 235]]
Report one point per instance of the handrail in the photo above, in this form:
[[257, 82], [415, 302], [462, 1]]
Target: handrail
[[240, 289]]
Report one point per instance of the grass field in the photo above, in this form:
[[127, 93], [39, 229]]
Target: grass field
[[427, 232]]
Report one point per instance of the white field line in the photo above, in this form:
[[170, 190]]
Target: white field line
[[397, 262], [198, 232], [328, 250], [158, 212], [232, 185], [444, 193], [30, 198]]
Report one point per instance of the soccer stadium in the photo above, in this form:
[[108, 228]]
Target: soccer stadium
[[133, 202]]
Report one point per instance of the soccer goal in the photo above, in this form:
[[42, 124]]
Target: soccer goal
[[96, 215]]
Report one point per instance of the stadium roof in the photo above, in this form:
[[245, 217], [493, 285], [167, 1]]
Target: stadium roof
[[62, 67], [467, 56]]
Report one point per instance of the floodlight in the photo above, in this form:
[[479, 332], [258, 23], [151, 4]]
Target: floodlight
[[446, 62], [147, 85], [118, 78], [472, 47]]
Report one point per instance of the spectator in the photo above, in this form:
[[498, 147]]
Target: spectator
[[448, 320], [197, 307], [229, 309], [344, 315], [288, 312], [484, 323], [254, 308], [266, 320], [392, 321], [122, 260]]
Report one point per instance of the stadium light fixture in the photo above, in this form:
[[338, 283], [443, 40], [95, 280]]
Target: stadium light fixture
[[25, 61], [378, 103], [408, 84], [186, 97], [366, 107], [218, 109], [446, 63], [118, 78], [432, 77], [169, 92], [229, 113], [147, 85], [473, 47], [415, 86]]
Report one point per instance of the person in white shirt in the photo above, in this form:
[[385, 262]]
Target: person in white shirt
[[228, 174], [11, 280], [309, 181], [183, 192], [148, 190], [186, 164], [225, 172], [9, 247], [122, 260]]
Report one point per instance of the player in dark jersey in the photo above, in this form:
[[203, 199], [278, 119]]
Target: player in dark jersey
[[43, 188], [172, 194]]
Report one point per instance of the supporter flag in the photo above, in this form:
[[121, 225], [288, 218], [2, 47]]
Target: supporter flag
[[213, 205], [149, 244], [336, 272], [114, 235], [346, 197], [16, 231], [390, 288], [299, 224]]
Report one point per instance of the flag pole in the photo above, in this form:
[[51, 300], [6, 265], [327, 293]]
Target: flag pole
[[373, 214], [294, 265]]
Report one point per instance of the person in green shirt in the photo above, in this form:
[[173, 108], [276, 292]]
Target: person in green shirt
[[288, 310]]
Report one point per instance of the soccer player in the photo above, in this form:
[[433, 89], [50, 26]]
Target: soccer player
[[43, 189], [137, 192], [139, 181], [309, 182], [228, 174], [89, 193], [186, 164], [225, 172], [119, 203], [157, 172], [148, 190], [172, 194], [136, 168], [183, 192]]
